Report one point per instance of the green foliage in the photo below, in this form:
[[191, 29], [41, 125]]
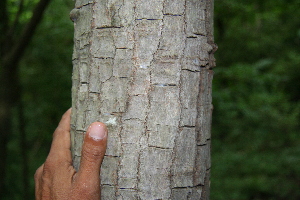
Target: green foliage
[[25, 10], [255, 135]]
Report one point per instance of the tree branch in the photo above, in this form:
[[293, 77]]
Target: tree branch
[[14, 57], [3, 24], [17, 18]]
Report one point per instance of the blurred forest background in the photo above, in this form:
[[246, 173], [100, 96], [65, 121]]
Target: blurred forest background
[[256, 119]]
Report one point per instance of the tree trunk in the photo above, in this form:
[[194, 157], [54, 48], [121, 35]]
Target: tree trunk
[[145, 69]]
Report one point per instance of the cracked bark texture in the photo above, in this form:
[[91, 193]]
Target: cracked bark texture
[[144, 67]]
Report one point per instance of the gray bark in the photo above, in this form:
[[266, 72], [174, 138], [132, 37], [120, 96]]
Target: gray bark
[[144, 67]]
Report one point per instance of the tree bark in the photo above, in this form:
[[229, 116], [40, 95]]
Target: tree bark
[[145, 69]]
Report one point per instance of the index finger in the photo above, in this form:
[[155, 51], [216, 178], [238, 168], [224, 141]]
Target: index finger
[[61, 143]]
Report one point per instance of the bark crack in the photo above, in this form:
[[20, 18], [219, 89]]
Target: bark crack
[[147, 19], [181, 60], [192, 186], [164, 85], [138, 176], [189, 70], [157, 147], [173, 15], [109, 27], [187, 126], [86, 4]]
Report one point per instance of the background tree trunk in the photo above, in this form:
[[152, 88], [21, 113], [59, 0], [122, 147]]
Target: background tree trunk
[[11, 53], [144, 68]]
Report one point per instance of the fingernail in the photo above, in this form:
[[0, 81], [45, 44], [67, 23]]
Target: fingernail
[[97, 131]]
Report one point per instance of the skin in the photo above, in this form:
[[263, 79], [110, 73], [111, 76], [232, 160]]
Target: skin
[[56, 179]]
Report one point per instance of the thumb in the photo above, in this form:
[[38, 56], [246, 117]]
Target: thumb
[[93, 150]]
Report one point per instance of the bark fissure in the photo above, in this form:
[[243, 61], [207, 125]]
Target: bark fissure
[[109, 27], [83, 5], [192, 186], [173, 15], [158, 147]]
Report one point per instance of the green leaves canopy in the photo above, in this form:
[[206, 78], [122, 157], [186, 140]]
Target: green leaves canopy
[[256, 126]]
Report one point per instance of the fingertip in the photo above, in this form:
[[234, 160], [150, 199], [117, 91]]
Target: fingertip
[[67, 113], [97, 131], [61, 137], [65, 120]]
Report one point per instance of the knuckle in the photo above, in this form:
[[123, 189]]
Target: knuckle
[[87, 190], [50, 166], [91, 154]]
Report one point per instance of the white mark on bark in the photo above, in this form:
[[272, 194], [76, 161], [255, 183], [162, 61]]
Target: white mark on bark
[[143, 67], [111, 121]]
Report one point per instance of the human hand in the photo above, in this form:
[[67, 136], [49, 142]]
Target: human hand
[[56, 179]]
